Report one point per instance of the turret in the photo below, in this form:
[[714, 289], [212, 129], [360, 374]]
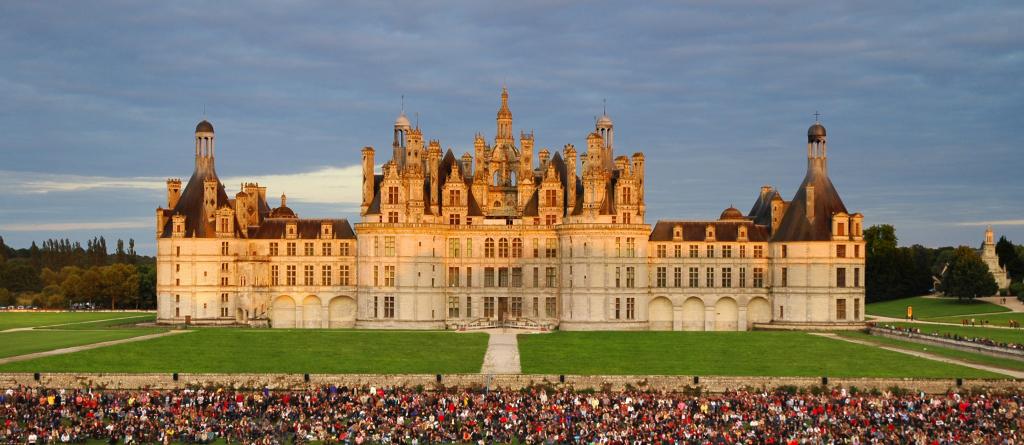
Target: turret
[[479, 148], [467, 163], [173, 192], [504, 134], [525, 154], [817, 147], [401, 132], [204, 144], [595, 152], [638, 173]]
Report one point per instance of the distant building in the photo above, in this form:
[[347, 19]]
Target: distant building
[[497, 236], [988, 255]]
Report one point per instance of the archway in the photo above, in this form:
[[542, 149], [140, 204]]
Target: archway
[[727, 314], [758, 311], [659, 314], [283, 313], [239, 316], [311, 313], [693, 314], [342, 312]]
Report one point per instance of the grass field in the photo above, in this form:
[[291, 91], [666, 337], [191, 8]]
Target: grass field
[[994, 319], [12, 320], [221, 350], [25, 342], [938, 350], [721, 353], [931, 307], [1003, 335]]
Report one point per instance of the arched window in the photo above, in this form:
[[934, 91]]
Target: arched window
[[503, 248], [489, 248], [517, 247]]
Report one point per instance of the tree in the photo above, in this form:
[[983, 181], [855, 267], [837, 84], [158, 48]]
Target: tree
[[880, 238], [19, 276], [968, 276], [1009, 258], [147, 285], [120, 284]]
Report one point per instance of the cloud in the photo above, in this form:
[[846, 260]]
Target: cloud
[[78, 225], [1001, 222], [41, 183]]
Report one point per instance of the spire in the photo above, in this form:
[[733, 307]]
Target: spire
[[504, 134]]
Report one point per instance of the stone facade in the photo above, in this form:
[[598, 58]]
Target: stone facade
[[498, 235], [988, 255]]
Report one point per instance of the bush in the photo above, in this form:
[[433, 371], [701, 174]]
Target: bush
[[1017, 288]]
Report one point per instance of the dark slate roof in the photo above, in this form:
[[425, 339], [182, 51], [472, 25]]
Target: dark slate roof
[[204, 125], [794, 225], [274, 228], [197, 223], [761, 212], [374, 208], [694, 230]]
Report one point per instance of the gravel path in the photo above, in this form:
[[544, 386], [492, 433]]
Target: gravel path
[[35, 355]]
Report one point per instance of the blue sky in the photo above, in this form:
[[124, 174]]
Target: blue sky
[[923, 101]]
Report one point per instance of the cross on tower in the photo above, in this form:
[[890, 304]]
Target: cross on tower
[[816, 115]]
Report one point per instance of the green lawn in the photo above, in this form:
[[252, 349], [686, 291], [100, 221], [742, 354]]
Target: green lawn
[[931, 307], [994, 319], [756, 353], [1003, 335], [223, 350], [972, 357], [11, 320], [25, 342]]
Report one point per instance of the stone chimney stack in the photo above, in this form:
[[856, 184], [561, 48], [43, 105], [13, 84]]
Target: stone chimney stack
[[173, 192], [367, 178], [570, 174], [210, 196]]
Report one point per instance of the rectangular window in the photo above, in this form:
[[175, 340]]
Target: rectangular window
[[308, 275], [291, 249], [326, 249], [677, 277], [517, 277], [743, 251], [453, 277], [841, 251], [678, 250], [290, 275], [389, 246], [453, 307], [551, 277], [453, 247], [743, 277], [488, 277], [618, 276], [326, 276], [630, 308], [224, 248], [389, 307], [549, 307], [516, 307], [343, 272], [307, 249], [785, 277], [726, 277], [489, 307], [618, 247], [758, 277], [630, 247], [536, 277], [841, 277], [223, 281], [551, 248], [223, 267], [273, 249], [455, 219], [344, 249], [376, 305], [856, 308], [392, 195], [856, 250], [758, 251], [469, 306], [709, 277], [469, 247], [275, 273], [469, 279], [389, 276], [841, 309], [694, 252], [630, 277], [694, 277], [662, 251], [536, 307], [709, 251], [618, 308], [502, 277], [726, 251], [785, 251], [661, 279], [856, 277], [376, 276]]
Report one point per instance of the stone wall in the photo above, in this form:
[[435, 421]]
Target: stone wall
[[712, 384]]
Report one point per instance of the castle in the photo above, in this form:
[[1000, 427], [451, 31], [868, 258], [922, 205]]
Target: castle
[[499, 237]]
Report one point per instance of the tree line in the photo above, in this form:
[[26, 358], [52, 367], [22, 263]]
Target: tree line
[[893, 272], [60, 272]]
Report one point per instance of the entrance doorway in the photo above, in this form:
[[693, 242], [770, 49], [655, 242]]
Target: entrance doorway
[[502, 308]]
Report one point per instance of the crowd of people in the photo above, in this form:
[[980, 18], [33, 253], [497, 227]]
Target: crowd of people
[[531, 416], [951, 336]]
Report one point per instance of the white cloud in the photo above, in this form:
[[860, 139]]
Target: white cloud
[[134, 223], [1001, 222], [35, 183]]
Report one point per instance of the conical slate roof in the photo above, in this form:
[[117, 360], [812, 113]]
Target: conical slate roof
[[795, 225]]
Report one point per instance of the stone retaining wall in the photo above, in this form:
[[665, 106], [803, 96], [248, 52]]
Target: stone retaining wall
[[949, 343], [298, 381]]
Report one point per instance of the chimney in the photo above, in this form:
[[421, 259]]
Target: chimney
[[367, 177], [570, 175], [543, 157], [173, 192], [210, 196]]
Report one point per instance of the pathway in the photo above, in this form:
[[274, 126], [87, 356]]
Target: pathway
[[878, 318], [29, 328], [35, 355], [502, 355], [925, 355]]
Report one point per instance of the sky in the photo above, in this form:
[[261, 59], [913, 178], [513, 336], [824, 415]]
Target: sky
[[923, 102]]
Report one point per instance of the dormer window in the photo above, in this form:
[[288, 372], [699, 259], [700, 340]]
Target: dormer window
[[677, 233], [742, 233], [291, 231], [709, 233], [326, 231]]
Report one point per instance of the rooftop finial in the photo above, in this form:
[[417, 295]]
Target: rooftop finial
[[816, 115], [403, 104], [604, 106]]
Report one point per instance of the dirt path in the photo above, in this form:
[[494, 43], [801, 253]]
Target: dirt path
[[502, 355], [876, 318], [72, 323], [925, 355], [102, 344]]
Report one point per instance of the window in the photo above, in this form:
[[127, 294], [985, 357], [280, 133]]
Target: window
[[677, 277], [503, 248], [841, 229], [376, 276], [785, 277], [662, 251], [694, 252], [291, 249], [326, 249], [743, 251], [856, 250], [626, 218], [551, 248], [177, 251], [389, 307], [469, 306], [709, 277], [389, 246], [489, 307], [549, 306], [630, 277], [551, 277], [489, 248], [223, 267], [709, 251], [326, 276], [618, 276], [782, 312], [726, 277], [785, 251], [454, 198], [551, 198], [841, 309], [678, 250], [630, 308], [453, 307], [469, 280], [502, 277], [344, 249], [630, 247], [856, 308], [758, 277], [841, 277], [274, 275], [617, 308], [743, 277], [290, 275], [726, 251], [536, 307], [389, 276], [841, 251], [308, 249], [758, 251], [343, 272], [517, 277], [273, 249], [662, 277], [536, 277], [453, 277], [455, 219], [516, 307], [469, 247], [488, 277], [392, 195], [224, 248], [453, 247], [307, 275], [626, 195], [694, 277], [550, 220], [517, 247], [223, 281], [618, 247], [375, 306], [856, 277]]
